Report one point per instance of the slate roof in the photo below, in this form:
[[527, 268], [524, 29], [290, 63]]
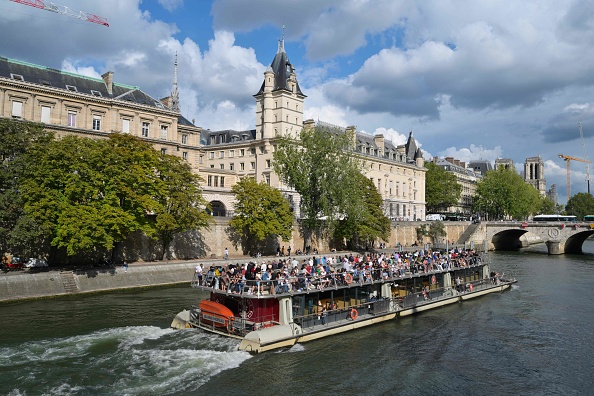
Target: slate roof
[[282, 68], [226, 136], [41, 75]]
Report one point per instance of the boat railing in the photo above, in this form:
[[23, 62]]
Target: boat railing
[[316, 282]]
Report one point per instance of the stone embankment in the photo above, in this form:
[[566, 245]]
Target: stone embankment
[[29, 284]]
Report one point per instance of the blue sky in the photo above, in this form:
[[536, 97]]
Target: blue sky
[[473, 79]]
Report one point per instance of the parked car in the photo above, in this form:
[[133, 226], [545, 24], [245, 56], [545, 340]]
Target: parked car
[[36, 263]]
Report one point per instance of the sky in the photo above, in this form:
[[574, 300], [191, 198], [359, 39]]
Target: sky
[[473, 79]]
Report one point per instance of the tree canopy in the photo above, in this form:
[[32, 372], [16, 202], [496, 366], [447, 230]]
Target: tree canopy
[[18, 232], [502, 192], [321, 167], [442, 190], [580, 205], [364, 220], [261, 212], [81, 194]]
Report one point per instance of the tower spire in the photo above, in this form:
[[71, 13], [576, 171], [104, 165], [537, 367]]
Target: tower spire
[[174, 91], [281, 42]]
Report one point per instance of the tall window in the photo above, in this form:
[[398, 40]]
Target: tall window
[[267, 163], [45, 114], [241, 152], [253, 165], [145, 129], [164, 132], [209, 181], [231, 166], [71, 119], [126, 126], [96, 123], [17, 109], [184, 139], [268, 179], [222, 181], [163, 151], [185, 155], [221, 154], [231, 153], [242, 166]]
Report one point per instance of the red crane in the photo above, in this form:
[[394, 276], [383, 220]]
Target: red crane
[[63, 10]]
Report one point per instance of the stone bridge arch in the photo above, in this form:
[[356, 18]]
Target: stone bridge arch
[[560, 238]]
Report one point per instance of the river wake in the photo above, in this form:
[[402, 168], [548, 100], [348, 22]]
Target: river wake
[[143, 360]]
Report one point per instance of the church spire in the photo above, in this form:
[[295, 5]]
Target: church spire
[[174, 91]]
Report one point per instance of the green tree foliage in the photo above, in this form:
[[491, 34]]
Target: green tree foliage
[[547, 206], [503, 193], [364, 220], [436, 231], [94, 193], [321, 167], [180, 203], [580, 205], [19, 233], [261, 212], [442, 190]]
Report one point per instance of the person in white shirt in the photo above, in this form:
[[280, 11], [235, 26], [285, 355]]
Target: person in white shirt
[[199, 273]]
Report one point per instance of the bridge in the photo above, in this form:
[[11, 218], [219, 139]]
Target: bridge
[[560, 237]]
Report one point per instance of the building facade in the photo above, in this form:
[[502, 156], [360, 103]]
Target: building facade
[[467, 177], [71, 104]]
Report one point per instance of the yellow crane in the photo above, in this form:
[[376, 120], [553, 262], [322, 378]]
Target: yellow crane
[[568, 160]]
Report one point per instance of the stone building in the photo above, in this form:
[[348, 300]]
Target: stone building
[[467, 177], [71, 104], [229, 155]]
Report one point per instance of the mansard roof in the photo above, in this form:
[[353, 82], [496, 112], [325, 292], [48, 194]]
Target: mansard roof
[[282, 69], [74, 83], [226, 136], [411, 147]]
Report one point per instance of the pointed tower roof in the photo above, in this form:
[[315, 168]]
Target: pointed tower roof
[[411, 147], [174, 91], [282, 69]]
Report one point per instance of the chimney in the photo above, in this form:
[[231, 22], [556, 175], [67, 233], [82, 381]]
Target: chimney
[[108, 78], [351, 132], [450, 159], [435, 159]]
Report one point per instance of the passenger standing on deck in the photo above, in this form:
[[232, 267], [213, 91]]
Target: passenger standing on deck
[[199, 271]]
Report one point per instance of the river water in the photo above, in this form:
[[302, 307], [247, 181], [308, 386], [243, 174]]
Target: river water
[[535, 339]]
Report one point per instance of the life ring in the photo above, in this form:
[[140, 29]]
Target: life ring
[[348, 278], [470, 287], [354, 314], [433, 280]]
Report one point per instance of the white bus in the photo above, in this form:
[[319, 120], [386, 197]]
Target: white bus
[[555, 218]]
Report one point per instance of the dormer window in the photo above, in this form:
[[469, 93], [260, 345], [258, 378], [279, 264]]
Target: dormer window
[[71, 88], [46, 83], [17, 77], [95, 93]]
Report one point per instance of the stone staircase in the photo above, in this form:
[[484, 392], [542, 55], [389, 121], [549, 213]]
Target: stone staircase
[[69, 282], [467, 233]]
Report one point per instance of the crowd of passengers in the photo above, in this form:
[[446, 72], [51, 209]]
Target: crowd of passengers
[[285, 275]]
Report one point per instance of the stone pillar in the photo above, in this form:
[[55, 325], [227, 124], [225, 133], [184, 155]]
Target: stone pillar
[[285, 310], [555, 247]]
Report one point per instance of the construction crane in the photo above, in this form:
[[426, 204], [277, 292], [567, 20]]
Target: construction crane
[[585, 157], [63, 10], [568, 160]]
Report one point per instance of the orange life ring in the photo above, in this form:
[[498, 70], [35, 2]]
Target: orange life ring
[[470, 287], [354, 314], [348, 278], [433, 280]]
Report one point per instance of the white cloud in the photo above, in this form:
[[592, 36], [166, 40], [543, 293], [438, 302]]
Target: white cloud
[[171, 5], [88, 71], [473, 153]]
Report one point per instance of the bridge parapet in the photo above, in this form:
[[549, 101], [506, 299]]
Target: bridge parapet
[[560, 237]]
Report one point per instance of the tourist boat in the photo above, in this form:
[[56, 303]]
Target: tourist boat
[[267, 315]]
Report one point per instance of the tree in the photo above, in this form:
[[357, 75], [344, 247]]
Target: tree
[[364, 220], [580, 205], [436, 231], [321, 167], [502, 192], [88, 194], [181, 206], [442, 190], [547, 206], [19, 233], [261, 212]]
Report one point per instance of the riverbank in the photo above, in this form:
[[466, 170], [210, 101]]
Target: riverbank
[[42, 283]]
